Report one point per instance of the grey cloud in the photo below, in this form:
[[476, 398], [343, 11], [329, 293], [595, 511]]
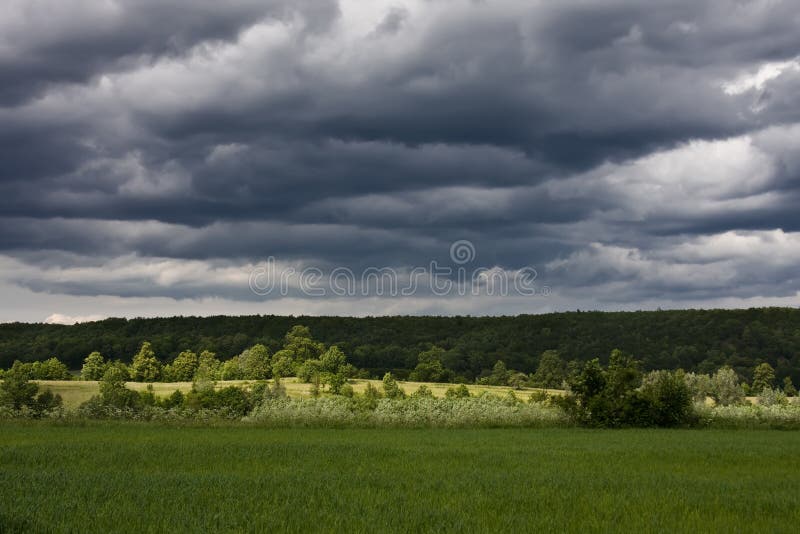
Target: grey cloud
[[51, 42], [607, 132]]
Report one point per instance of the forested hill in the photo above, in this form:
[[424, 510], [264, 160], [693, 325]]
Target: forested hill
[[699, 340]]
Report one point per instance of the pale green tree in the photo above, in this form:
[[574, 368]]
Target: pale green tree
[[94, 367], [255, 363], [763, 378], [699, 385], [145, 366], [50, 369], [183, 367], [300, 344], [208, 367], [391, 388], [231, 369], [725, 387], [112, 387], [283, 364]]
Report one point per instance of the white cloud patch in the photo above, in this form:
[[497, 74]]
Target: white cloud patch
[[60, 318]]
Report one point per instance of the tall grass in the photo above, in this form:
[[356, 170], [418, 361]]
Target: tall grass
[[485, 411], [134, 477], [750, 416]]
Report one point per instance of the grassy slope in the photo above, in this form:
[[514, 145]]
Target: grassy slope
[[129, 477], [76, 392]]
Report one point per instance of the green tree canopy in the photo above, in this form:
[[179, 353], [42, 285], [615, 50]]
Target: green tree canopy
[[429, 366], [145, 366], [550, 372], [763, 378], [183, 367], [94, 367]]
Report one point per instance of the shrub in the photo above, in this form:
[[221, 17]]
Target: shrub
[[699, 385], [423, 392], [16, 390], [618, 396], [725, 387], [750, 416], [539, 396], [788, 387], [113, 392], [772, 397], [669, 398], [459, 392], [391, 389], [763, 378], [51, 369]]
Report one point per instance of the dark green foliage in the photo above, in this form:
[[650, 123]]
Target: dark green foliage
[[113, 393], [668, 399], [763, 378], [550, 372], [369, 399], [429, 366], [16, 390], [423, 392], [499, 375], [50, 369], [46, 401], [391, 389], [175, 400], [788, 387], [612, 397], [694, 340], [458, 392]]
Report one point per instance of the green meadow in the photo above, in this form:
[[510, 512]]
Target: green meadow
[[75, 392], [133, 477]]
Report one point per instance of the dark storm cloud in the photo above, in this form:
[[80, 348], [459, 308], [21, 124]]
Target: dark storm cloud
[[354, 134], [71, 42]]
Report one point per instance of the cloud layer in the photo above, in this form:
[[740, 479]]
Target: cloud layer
[[635, 156]]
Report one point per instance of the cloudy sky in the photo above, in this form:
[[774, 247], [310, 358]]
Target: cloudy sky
[[155, 153]]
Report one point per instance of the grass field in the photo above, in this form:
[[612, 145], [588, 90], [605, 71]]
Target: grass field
[[126, 477], [76, 392]]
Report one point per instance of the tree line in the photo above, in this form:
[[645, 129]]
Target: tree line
[[619, 394], [468, 348]]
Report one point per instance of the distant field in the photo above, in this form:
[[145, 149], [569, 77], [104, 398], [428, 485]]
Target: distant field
[[76, 392], [126, 477]]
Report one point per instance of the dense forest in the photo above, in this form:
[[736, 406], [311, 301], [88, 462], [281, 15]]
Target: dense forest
[[694, 340]]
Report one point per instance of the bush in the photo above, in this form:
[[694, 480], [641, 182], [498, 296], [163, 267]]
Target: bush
[[113, 392], [618, 396], [725, 387], [788, 387], [460, 392], [391, 389], [423, 392], [16, 390], [699, 385], [415, 412], [748, 416], [669, 399], [772, 397]]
